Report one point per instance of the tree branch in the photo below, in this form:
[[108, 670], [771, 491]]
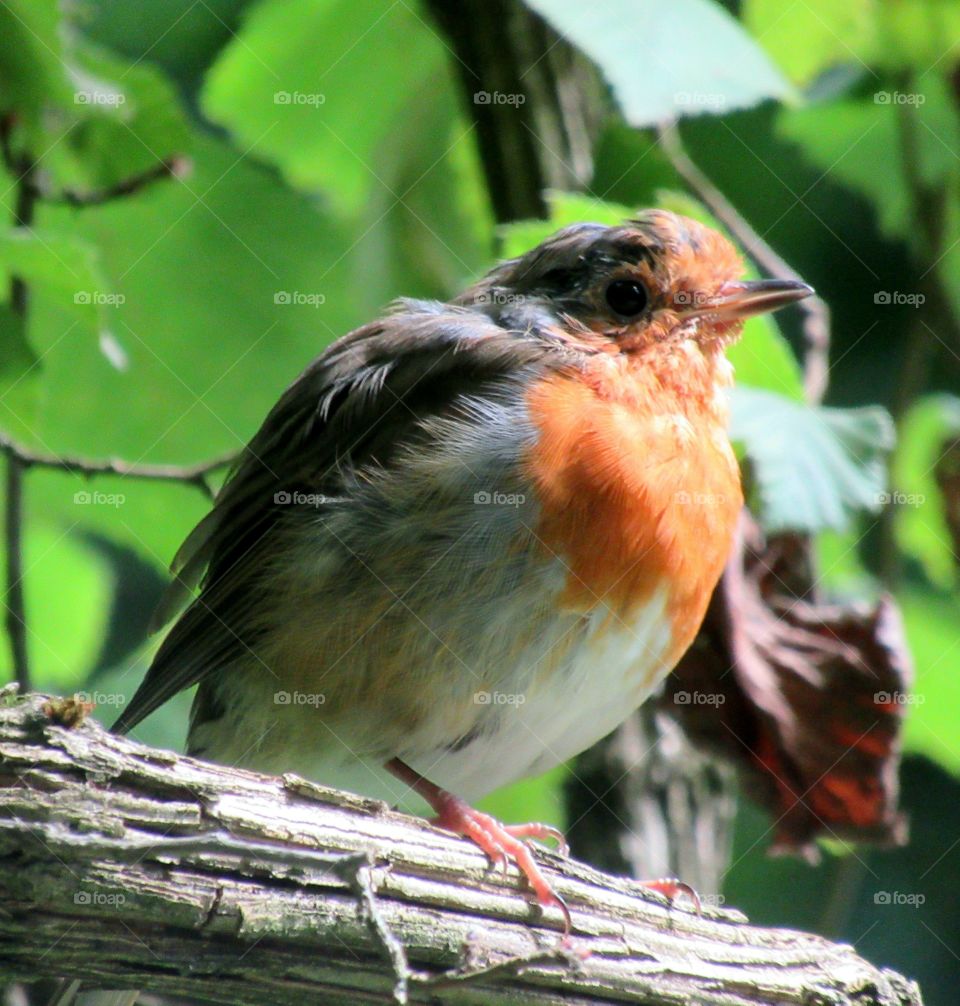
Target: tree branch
[[124, 866], [536, 100], [195, 475]]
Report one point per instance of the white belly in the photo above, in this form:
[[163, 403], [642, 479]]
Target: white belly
[[604, 680]]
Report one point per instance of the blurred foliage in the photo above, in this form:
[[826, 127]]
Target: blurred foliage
[[334, 166]]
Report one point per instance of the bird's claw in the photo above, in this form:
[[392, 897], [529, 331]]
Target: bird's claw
[[503, 842], [672, 889]]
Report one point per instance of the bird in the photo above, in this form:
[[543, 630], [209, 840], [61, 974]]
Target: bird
[[472, 537]]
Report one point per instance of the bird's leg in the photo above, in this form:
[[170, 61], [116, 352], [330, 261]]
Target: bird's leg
[[501, 842]]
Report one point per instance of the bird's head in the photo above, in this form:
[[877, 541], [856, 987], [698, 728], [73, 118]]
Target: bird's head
[[657, 279]]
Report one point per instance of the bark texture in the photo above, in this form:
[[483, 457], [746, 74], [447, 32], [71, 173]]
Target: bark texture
[[129, 867]]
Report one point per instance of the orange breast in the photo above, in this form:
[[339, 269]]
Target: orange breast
[[637, 482]]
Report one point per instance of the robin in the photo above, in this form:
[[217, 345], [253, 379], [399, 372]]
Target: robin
[[472, 537]]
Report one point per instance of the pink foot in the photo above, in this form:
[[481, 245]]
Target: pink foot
[[500, 842], [503, 842]]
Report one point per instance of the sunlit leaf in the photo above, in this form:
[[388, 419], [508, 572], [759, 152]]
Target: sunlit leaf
[[63, 266], [931, 619], [230, 284], [848, 140], [33, 73], [919, 522], [67, 587], [300, 86], [818, 34], [814, 467], [924, 34], [668, 58]]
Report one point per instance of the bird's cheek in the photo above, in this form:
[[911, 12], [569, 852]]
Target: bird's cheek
[[644, 334]]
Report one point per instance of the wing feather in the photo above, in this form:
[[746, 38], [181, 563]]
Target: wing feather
[[354, 406]]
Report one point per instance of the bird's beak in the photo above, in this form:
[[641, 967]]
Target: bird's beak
[[743, 299]]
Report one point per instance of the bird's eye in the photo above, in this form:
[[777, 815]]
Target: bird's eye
[[628, 297]]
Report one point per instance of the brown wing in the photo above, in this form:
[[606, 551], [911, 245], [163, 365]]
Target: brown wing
[[354, 406]]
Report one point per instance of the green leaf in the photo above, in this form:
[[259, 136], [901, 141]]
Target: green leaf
[[920, 523], [931, 620], [924, 34], [33, 72], [438, 237], [64, 266], [814, 467], [181, 36], [668, 58], [17, 359], [67, 587], [130, 120], [630, 166], [210, 347], [818, 34], [295, 87], [849, 139], [840, 570], [566, 208], [762, 358]]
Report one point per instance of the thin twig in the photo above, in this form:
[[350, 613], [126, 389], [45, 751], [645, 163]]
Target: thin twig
[[816, 325], [195, 475], [16, 611], [395, 951], [23, 168], [170, 167]]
